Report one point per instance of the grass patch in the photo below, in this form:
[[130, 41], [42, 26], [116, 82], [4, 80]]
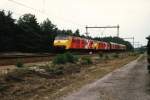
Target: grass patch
[[106, 57], [115, 55], [55, 70], [17, 75], [101, 55]]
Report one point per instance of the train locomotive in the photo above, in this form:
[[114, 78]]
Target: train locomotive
[[67, 42]]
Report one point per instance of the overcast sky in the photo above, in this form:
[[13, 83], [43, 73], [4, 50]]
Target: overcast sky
[[133, 16]]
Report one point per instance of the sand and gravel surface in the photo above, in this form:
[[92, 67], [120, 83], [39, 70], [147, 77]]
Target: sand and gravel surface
[[131, 82]]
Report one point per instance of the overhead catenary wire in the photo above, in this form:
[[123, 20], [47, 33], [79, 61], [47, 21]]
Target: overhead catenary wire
[[11, 12], [44, 12]]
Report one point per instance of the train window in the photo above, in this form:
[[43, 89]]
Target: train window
[[61, 37]]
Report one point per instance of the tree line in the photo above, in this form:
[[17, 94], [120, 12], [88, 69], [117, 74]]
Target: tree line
[[27, 35]]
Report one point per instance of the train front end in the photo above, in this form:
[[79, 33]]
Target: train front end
[[62, 42]]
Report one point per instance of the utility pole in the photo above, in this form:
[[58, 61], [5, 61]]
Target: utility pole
[[138, 44], [104, 28], [86, 30], [118, 30], [133, 43]]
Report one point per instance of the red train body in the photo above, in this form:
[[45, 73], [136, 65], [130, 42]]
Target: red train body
[[72, 42]]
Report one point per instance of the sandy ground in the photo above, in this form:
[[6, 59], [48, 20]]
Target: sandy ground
[[130, 82], [5, 69]]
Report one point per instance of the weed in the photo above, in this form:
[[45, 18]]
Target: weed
[[86, 60], [56, 70], [107, 57], [100, 55], [17, 74], [19, 64], [115, 55]]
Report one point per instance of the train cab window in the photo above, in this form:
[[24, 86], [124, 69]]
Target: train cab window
[[62, 37]]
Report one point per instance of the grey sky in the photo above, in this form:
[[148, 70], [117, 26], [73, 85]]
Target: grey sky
[[132, 15]]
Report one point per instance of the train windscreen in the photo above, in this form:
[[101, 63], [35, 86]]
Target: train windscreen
[[61, 37]]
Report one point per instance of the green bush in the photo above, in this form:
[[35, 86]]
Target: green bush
[[86, 60], [70, 57], [60, 59], [65, 58], [19, 64]]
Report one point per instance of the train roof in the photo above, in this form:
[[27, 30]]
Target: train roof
[[117, 44]]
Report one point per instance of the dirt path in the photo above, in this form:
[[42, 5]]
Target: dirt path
[[128, 83]]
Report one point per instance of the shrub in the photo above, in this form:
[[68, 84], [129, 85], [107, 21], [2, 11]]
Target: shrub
[[76, 58], [64, 58], [86, 60], [60, 59], [19, 64], [100, 54], [70, 57]]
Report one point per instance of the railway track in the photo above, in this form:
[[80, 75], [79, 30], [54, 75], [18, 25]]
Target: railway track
[[10, 56], [12, 59]]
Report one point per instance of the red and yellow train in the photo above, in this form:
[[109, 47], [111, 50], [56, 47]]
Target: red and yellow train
[[73, 42]]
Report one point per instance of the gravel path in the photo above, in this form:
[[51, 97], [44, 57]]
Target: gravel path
[[128, 83]]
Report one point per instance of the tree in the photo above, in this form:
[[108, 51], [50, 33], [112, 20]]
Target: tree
[[30, 36], [49, 32], [28, 23], [77, 33], [69, 32], [7, 32]]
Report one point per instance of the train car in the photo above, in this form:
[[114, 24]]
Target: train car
[[103, 46], [116, 46], [122, 47]]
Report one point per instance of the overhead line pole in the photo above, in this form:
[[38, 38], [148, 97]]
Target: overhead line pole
[[133, 43], [138, 44], [104, 28]]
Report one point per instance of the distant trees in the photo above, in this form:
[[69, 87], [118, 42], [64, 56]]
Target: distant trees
[[27, 35], [77, 33]]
